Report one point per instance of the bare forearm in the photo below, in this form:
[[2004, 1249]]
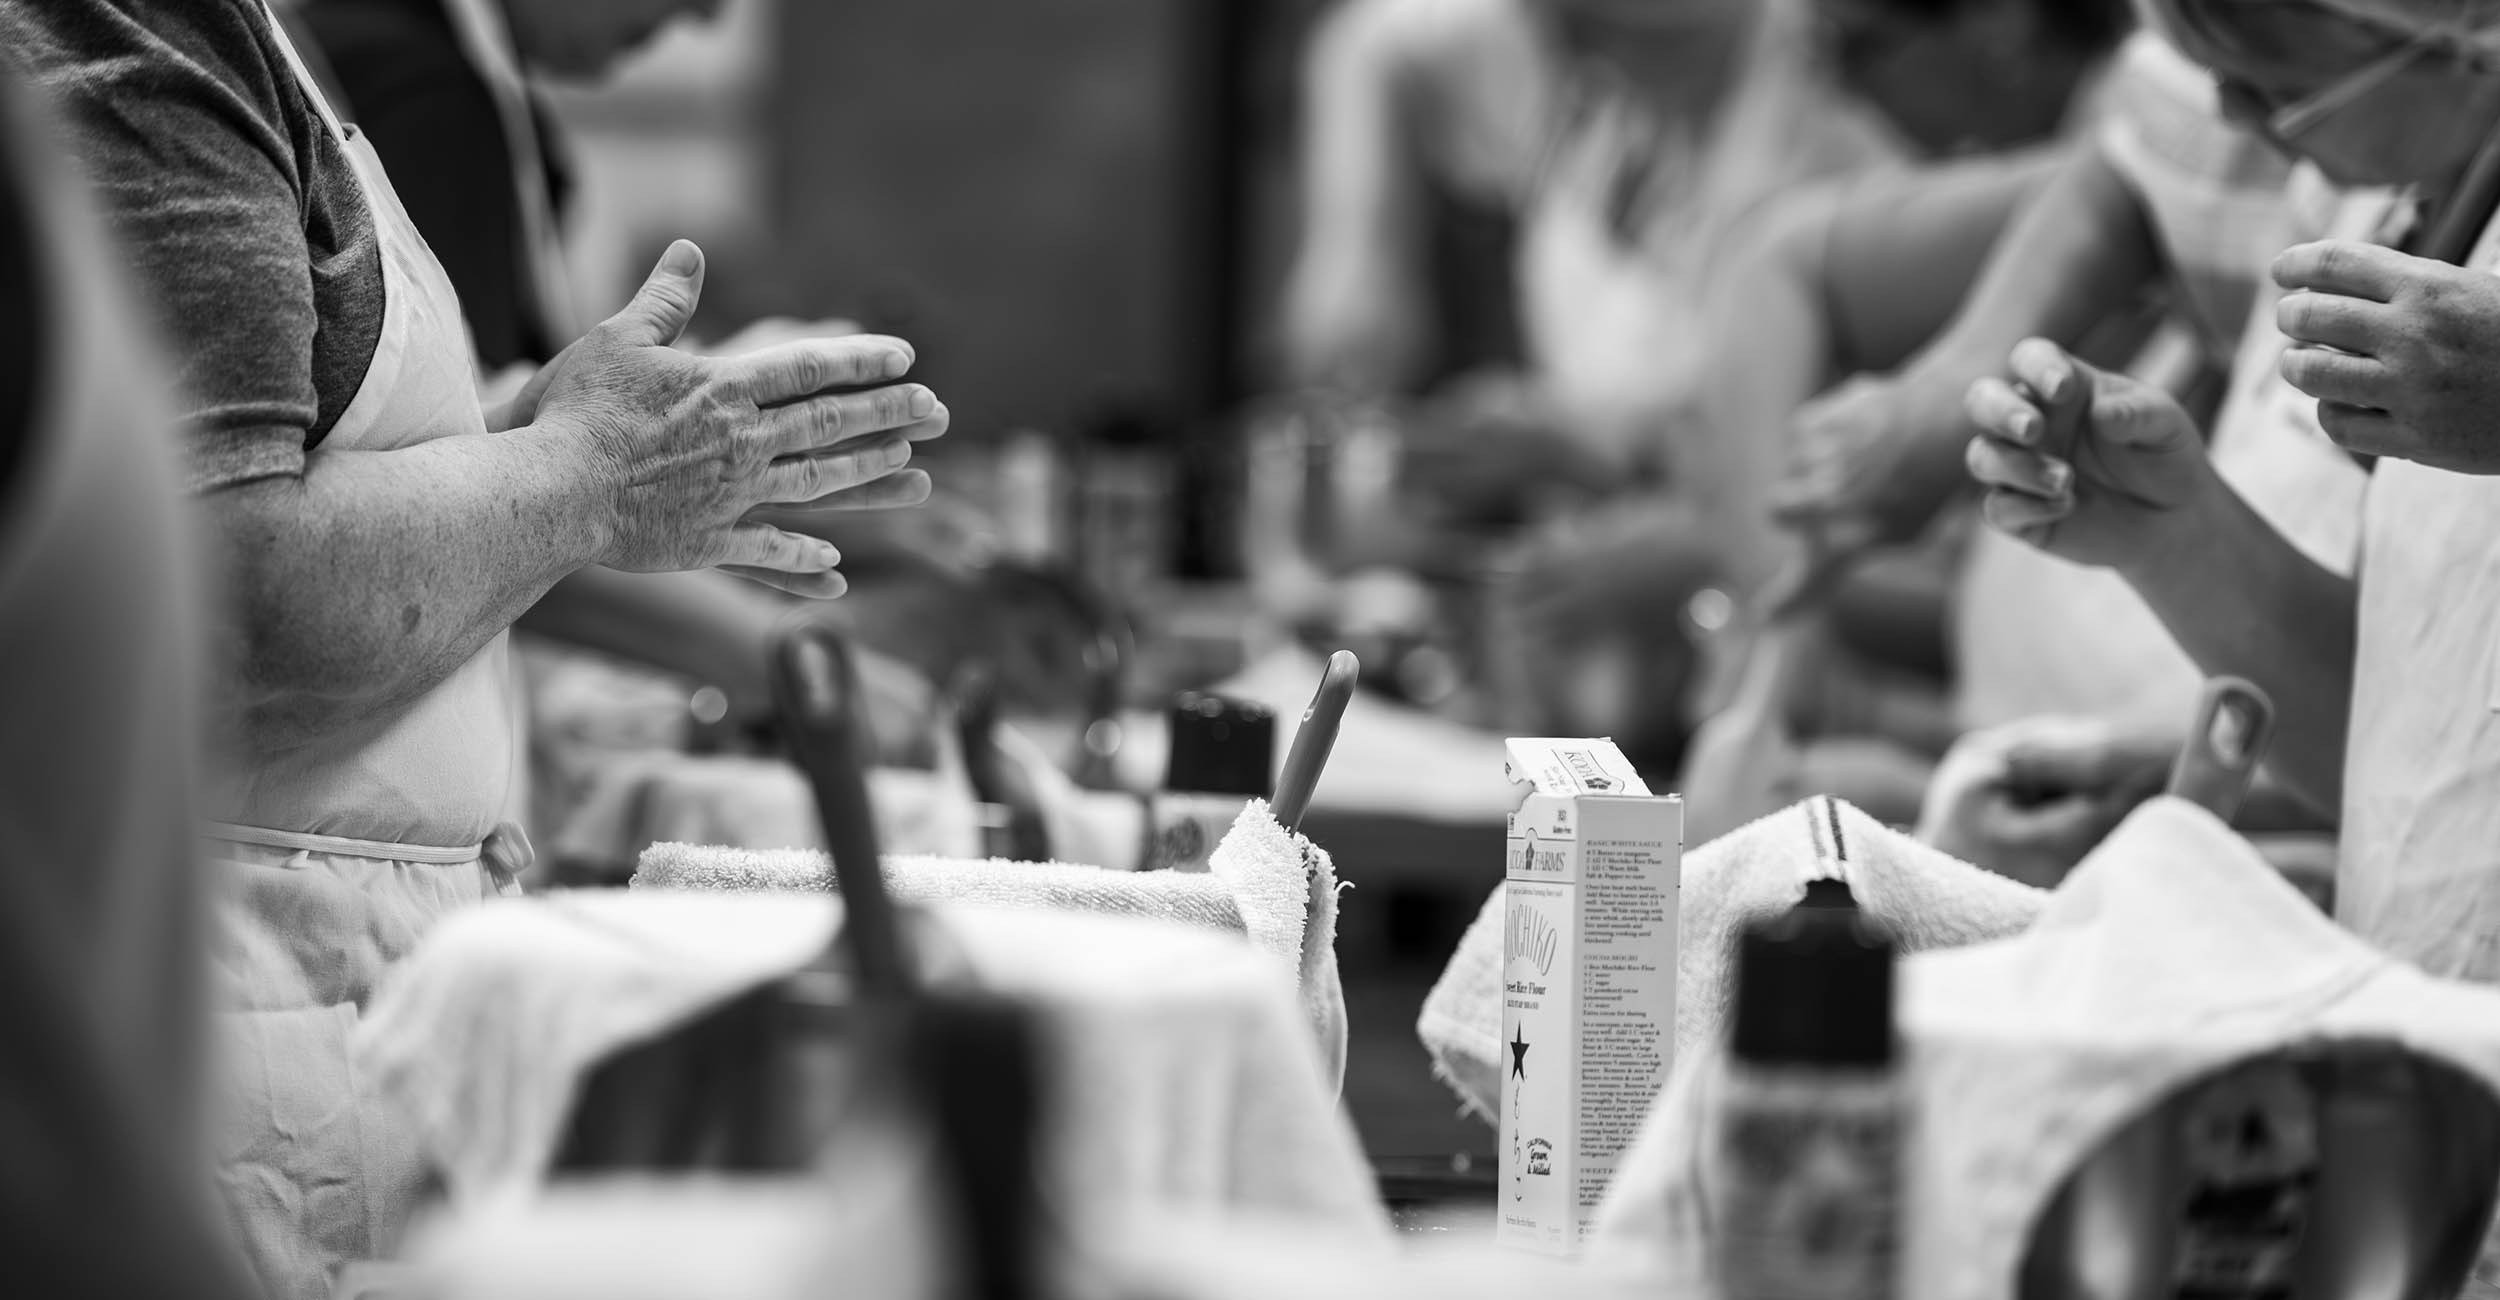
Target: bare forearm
[[2077, 251], [2242, 600], [368, 580]]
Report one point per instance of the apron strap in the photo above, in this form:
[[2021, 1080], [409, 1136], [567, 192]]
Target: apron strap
[[303, 75], [305, 842]]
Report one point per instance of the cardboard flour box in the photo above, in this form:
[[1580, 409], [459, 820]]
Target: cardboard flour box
[[1588, 957]]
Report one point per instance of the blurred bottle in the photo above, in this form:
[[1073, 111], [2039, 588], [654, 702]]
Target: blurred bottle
[[1126, 506], [1033, 507], [1806, 1132], [1223, 756]]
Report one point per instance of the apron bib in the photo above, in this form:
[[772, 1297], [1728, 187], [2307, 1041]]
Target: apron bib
[[340, 855], [2420, 872]]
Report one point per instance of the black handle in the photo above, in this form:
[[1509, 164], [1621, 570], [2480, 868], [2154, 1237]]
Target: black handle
[[816, 686]]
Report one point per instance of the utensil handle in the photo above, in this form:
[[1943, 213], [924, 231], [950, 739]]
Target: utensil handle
[[2234, 721], [816, 686], [1315, 738]]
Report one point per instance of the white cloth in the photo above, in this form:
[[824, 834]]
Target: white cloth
[[1932, 900], [2172, 952], [1176, 1067], [783, 1242], [343, 852], [2420, 873], [1277, 890]]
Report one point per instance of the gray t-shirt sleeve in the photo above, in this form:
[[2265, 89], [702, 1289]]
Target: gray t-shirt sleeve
[[177, 114]]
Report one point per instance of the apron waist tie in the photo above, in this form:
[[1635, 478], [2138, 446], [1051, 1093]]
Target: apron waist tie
[[506, 852]]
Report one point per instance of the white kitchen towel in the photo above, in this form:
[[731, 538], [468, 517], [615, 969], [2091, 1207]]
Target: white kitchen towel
[[2172, 952], [1176, 1065], [1277, 889], [803, 1240], [1931, 900]]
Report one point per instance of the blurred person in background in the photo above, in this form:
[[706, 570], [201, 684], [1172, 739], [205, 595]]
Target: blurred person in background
[[2166, 197], [1605, 152], [378, 532], [1647, 145], [2383, 681], [104, 1151]]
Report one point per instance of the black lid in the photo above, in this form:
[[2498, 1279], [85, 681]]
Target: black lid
[[1814, 986], [1221, 746]]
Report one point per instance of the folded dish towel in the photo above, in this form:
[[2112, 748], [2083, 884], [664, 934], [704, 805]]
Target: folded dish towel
[[805, 1240], [2171, 953], [1176, 1067], [1931, 900], [1276, 889]]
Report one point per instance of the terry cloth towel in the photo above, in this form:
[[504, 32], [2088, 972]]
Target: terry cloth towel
[[1275, 888], [2171, 953], [1930, 899], [1176, 1066], [758, 1240]]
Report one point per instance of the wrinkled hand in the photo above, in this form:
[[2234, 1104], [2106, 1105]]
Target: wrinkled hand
[[1872, 460], [686, 447], [2029, 799], [2090, 466], [2402, 353]]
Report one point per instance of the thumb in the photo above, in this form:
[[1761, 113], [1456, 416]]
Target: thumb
[[661, 309], [2135, 414]]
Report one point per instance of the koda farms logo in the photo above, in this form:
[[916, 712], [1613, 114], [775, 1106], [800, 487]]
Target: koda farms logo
[[1530, 854], [1530, 936], [1585, 770]]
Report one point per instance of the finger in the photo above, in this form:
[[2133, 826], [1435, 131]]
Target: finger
[[2023, 516], [798, 480], [2340, 377], [2063, 385], [2347, 324], [2343, 266], [819, 423], [666, 302], [2077, 767], [804, 367], [2128, 413], [1806, 494], [2367, 430], [813, 586], [2016, 469], [897, 491], [2004, 414], [762, 546]]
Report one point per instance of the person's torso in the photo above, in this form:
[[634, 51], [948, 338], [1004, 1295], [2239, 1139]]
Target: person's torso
[[438, 771], [2420, 873]]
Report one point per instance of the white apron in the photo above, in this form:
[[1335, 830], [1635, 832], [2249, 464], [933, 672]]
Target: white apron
[[341, 854], [2420, 872]]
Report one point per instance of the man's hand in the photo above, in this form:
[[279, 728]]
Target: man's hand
[[2402, 353], [2090, 466], [2029, 799], [687, 447]]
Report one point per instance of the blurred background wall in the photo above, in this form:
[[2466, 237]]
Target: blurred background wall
[[1075, 208]]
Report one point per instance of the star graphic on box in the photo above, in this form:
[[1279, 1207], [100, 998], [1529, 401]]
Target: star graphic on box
[[1519, 1051]]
